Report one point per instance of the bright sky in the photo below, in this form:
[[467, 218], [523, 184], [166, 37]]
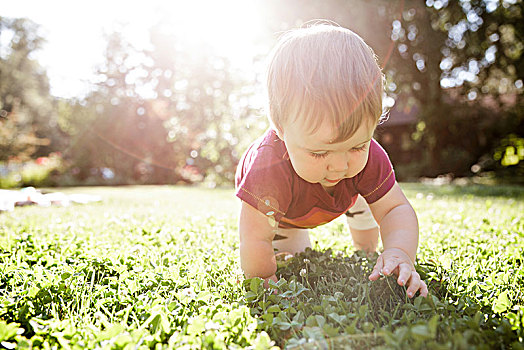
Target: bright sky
[[74, 31]]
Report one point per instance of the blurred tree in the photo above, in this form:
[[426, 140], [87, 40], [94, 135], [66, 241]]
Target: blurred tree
[[176, 111], [459, 63], [167, 113], [119, 125], [449, 61], [27, 110], [206, 106]]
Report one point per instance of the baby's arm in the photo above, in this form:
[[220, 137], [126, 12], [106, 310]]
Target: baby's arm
[[399, 233], [257, 257]]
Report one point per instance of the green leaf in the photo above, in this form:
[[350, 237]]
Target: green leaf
[[433, 324], [284, 326], [263, 342], [33, 291], [311, 321], [421, 332], [255, 284], [334, 316], [8, 330], [401, 333], [204, 296], [363, 310], [418, 301], [330, 331], [320, 320], [273, 308], [172, 305], [111, 332], [197, 326], [298, 319], [273, 284], [164, 322], [268, 318], [313, 333], [502, 303], [250, 296], [123, 339]]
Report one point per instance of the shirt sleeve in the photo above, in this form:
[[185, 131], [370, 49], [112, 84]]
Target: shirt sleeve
[[263, 181], [378, 176]]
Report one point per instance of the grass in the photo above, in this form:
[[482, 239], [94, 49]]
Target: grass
[[157, 267]]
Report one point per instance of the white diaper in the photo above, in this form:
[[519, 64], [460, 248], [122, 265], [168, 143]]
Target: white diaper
[[359, 215], [293, 240]]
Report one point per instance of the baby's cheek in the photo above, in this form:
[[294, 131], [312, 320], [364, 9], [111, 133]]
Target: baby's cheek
[[359, 164], [310, 171]]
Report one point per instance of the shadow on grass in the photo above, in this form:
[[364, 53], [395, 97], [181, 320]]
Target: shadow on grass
[[326, 301]]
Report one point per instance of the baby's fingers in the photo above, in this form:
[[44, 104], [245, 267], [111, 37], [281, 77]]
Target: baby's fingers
[[416, 284], [389, 266], [375, 274], [423, 289], [404, 274]]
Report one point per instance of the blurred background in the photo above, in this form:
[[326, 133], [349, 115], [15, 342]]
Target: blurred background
[[168, 92]]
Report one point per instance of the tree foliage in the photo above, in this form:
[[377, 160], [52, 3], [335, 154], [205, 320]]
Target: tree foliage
[[177, 111], [27, 111], [161, 115], [459, 63]]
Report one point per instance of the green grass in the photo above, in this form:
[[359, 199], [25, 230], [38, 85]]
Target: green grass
[[158, 267]]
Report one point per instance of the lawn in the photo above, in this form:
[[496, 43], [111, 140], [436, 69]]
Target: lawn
[[157, 267]]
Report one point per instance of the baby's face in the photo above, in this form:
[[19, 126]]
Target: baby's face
[[316, 160]]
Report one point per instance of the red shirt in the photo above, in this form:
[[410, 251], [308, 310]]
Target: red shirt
[[266, 180]]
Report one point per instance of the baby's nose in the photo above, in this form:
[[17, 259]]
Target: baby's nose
[[339, 162]]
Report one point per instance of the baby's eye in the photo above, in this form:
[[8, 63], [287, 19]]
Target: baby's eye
[[358, 149], [318, 155]]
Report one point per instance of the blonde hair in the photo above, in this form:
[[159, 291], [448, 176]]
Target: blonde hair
[[324, 73]]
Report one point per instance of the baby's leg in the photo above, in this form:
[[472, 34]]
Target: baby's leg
[[363, 227], [292, 240]]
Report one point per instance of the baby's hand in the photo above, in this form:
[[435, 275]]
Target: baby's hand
[[395, 260]]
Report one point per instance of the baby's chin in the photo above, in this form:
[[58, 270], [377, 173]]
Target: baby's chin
[[328, 183]]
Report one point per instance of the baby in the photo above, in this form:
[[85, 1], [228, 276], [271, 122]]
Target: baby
[[318, 160]]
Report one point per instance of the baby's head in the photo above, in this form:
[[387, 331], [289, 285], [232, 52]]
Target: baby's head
[[324, 74]]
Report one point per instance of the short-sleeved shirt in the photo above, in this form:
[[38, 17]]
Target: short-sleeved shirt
[[266, 180]]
